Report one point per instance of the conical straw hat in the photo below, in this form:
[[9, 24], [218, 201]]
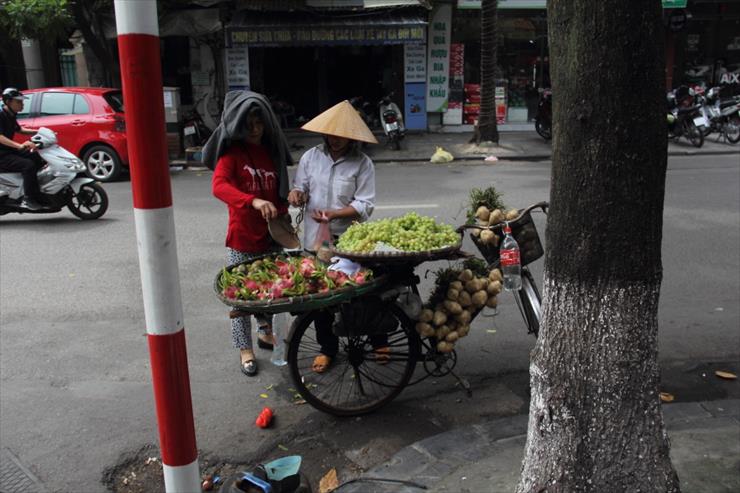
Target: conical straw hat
[[341, 120]]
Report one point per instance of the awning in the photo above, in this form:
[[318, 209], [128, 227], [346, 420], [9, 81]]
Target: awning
[[403, 26]]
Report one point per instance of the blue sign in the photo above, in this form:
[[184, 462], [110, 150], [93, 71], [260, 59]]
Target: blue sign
[[415, 110]]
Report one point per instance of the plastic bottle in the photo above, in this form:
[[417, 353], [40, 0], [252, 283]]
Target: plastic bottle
[[279, 334], [511, 265]]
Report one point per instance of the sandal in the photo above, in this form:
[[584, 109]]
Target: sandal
[[249, 368], [382, 355], [321, 363]]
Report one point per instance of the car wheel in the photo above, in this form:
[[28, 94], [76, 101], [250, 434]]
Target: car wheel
[[102, 163]]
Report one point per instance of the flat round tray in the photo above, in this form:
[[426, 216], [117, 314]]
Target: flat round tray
[[390, 257], [295, 304]]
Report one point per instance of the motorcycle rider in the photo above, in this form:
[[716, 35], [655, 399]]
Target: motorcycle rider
[[19, 158]]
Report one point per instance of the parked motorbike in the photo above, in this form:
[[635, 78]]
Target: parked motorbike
[[684, 117], [60, 186], [391, 120], [723, 116], [365, 110], [194, 129], [543, 118]]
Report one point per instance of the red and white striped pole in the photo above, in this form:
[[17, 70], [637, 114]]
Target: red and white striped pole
[[141, 74]]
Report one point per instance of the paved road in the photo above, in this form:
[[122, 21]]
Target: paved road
[[74, 371]]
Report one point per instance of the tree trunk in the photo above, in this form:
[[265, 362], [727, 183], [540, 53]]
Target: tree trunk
[[32, 59], [487, 129], [89, 23], [595, 421]]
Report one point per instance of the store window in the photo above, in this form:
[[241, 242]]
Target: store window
[[523, 63]]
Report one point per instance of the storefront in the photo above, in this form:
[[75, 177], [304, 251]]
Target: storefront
[[703, 44], [307, 61], [522, 68]]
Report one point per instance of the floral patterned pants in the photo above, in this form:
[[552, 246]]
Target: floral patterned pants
[[241, 327]]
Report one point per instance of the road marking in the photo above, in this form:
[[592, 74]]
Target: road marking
[[406, 206]]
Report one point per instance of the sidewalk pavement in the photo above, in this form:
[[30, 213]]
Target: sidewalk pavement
[[486, 457], [514, 145]]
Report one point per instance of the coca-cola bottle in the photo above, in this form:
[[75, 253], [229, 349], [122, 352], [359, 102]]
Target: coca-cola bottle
[[511, 264]]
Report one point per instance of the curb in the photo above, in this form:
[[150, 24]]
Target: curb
[[518, 157], [429, 461]]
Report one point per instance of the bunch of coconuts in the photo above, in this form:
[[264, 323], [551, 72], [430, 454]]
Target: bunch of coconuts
[[485, 218], [465, 297]]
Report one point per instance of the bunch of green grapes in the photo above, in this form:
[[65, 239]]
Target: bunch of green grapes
[[410, 233]]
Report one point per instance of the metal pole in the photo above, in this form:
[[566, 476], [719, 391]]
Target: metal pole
[[141, 75]]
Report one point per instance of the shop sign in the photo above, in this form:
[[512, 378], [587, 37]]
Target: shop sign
[[730, 78], [454, 114], [542, 4], [415, 63], [438, 59], [505, 4], [674, 4], [325, 35], [237, 68], [415, 111]]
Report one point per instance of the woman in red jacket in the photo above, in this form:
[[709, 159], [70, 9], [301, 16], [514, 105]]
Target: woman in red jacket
[[247, 180]]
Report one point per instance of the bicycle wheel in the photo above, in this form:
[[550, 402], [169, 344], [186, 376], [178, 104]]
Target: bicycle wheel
[[530, 303], [357, 382]]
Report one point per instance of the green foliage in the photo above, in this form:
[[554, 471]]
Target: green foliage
[[34, 19], [478, 266], [490, 197]]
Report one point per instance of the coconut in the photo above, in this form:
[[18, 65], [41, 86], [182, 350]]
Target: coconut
[[482, 213], [479, 298], [453, 307]]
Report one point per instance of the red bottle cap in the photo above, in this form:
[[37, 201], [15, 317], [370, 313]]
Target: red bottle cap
[[507, 229]]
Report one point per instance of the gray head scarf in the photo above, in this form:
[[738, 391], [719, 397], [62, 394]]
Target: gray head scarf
[[233, 129]]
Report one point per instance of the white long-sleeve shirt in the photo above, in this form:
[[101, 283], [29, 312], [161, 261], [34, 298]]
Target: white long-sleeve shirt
[[333, 185]]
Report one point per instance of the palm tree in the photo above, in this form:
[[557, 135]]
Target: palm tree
[[487, 129]]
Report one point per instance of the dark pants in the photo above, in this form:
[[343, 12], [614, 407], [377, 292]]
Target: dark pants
[[27, 164], [330, 343]]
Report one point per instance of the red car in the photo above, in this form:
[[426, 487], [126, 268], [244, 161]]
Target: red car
[[88, 121]]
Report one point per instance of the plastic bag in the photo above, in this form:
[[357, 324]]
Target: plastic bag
[[441, 156], [323, 235]]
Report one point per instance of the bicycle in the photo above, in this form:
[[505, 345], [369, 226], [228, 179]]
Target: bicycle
[[361, 379]]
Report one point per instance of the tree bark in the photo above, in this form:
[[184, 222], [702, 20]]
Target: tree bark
[[87, 19], [595, 421], [487, 129]]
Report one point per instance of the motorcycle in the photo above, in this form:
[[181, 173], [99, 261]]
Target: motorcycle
[[683, 117], [391, 119], [723, 116], [194, 129], [58, 181], [365, 110], [543, 118]]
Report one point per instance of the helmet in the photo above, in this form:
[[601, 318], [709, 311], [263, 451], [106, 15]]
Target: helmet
[[12, 93]]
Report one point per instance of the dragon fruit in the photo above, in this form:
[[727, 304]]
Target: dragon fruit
[[280, 276]]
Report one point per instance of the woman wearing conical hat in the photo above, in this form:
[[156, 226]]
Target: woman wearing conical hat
[[336, 182], [335, 178]]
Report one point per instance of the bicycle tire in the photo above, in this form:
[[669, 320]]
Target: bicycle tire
[[319, 388], [531, 303]]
